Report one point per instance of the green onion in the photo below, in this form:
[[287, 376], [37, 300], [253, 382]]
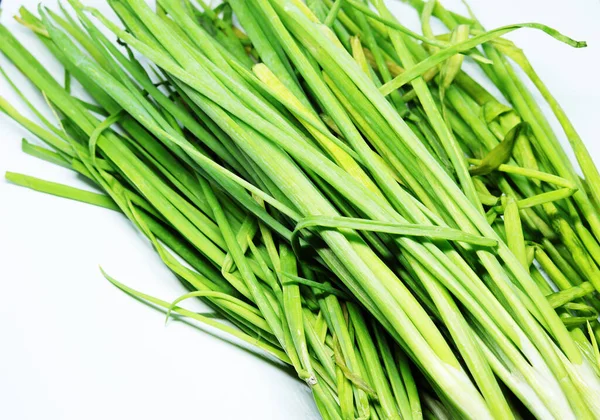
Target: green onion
[[342, 192]]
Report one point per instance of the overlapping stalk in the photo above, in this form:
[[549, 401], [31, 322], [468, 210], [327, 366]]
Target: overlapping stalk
[[343, 230]]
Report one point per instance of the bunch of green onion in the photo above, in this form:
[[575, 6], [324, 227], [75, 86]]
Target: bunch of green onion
[[342, 193]]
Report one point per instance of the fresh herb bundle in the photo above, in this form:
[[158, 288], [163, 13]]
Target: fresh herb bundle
[[342, 192]]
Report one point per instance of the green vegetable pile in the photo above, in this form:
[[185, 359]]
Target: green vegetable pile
[[342, 193]]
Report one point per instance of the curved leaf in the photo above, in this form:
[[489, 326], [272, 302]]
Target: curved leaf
[[432, 232]]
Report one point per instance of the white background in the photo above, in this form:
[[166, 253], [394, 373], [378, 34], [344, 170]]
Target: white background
[[74, 347]]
